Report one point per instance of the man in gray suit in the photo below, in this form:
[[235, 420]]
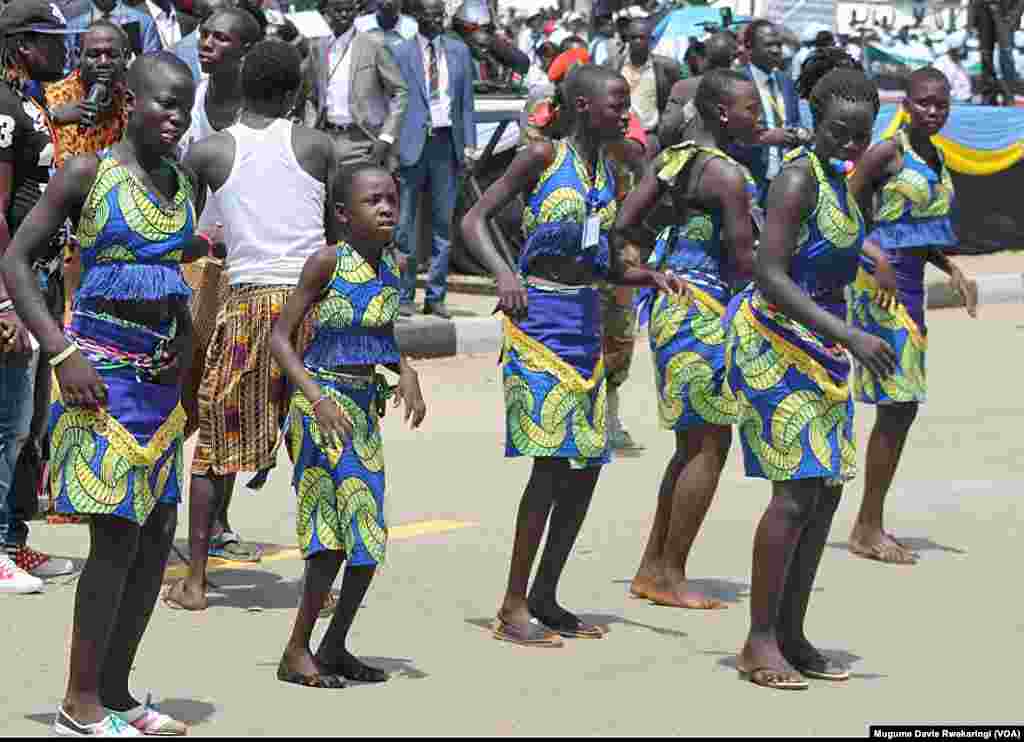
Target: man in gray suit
[[360, 93]]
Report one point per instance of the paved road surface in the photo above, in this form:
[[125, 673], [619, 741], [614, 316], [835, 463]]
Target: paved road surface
[[937, 642]]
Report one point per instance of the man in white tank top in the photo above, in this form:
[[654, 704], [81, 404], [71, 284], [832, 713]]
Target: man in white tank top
[[224, 38], [268, 179]]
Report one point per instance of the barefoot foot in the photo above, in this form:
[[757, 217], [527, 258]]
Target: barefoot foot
[[642, 585], [675, 595], [876, 544], [670, 590], [183, 596]]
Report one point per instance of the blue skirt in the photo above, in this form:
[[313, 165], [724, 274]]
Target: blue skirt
[[793, 394], [340, 492], [687, 338], [124, 459], [554, 378]]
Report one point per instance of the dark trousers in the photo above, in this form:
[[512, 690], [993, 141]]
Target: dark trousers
[[436, 170]]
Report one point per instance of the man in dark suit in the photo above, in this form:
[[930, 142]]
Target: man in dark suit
[[437, 130], [360, 92], [780, 106], [650, 78]]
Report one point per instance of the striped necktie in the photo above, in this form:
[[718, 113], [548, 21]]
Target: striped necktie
[[432, 74]]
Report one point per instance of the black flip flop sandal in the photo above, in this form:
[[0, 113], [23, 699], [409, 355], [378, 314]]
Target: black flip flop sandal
[[319, 680]]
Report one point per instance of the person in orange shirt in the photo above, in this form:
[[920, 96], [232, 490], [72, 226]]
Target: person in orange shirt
[[85, 125]]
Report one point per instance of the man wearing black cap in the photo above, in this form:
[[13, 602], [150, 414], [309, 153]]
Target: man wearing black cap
[[31, 53]]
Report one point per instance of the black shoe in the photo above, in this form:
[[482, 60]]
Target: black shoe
[[406, 310], [441, 310]]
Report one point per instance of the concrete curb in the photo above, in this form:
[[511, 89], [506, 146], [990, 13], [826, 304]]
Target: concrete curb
[[993, 288], [431, 337]]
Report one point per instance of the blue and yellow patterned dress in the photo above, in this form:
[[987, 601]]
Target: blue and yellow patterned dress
[[791, 384], [913, 218], [554, 375], [687, 334], [341, 492], [124, 459]]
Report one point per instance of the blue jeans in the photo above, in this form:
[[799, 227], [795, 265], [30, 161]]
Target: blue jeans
[[17, 382], [437, 166]]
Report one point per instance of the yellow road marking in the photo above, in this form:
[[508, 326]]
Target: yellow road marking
[[278, 552]]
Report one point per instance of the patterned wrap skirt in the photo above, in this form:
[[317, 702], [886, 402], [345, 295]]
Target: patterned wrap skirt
[[340, 492], [126, 458], [903, 328], [795, 411], [554, 378], [243, 393], [687, 338]]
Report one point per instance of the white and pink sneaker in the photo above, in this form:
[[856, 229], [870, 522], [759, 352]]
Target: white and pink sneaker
[[151, 722], [13, 579]]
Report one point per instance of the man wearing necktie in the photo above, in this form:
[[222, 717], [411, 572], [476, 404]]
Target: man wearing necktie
[[780, 108], [437, 131]]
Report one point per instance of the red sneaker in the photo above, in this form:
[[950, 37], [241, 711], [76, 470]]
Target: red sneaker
[[38, 564]]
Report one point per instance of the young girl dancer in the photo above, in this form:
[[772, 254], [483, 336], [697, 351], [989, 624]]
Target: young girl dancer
[[117, 422], [788, 367], [334, 432], [712, 247], [912, 228], [554, 377]]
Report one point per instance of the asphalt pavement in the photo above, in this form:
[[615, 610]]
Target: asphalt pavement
[[937, 642]]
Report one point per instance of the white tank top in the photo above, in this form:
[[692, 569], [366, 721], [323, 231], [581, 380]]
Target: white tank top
[[200, 129], [272, 209]]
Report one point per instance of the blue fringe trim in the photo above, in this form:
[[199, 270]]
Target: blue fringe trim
[[133, 282], [353, 346], [926, 233], [564, 239]]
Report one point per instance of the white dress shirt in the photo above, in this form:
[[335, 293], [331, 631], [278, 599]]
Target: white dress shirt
[[774, 108], [340, 82], [440, 109], [407, 27], [166, 24], [959, 81]]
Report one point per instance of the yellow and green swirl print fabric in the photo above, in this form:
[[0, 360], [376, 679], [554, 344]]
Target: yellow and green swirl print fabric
[[340, 491], [687, 339], [902, 333], [795, 411]]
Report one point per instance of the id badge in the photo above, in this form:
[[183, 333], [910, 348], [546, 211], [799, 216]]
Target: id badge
[[591, 231]]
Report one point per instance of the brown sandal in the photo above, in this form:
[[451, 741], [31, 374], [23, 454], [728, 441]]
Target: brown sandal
[[533, 634]]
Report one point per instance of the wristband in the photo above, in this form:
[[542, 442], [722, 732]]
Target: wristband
[[63, 355]]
